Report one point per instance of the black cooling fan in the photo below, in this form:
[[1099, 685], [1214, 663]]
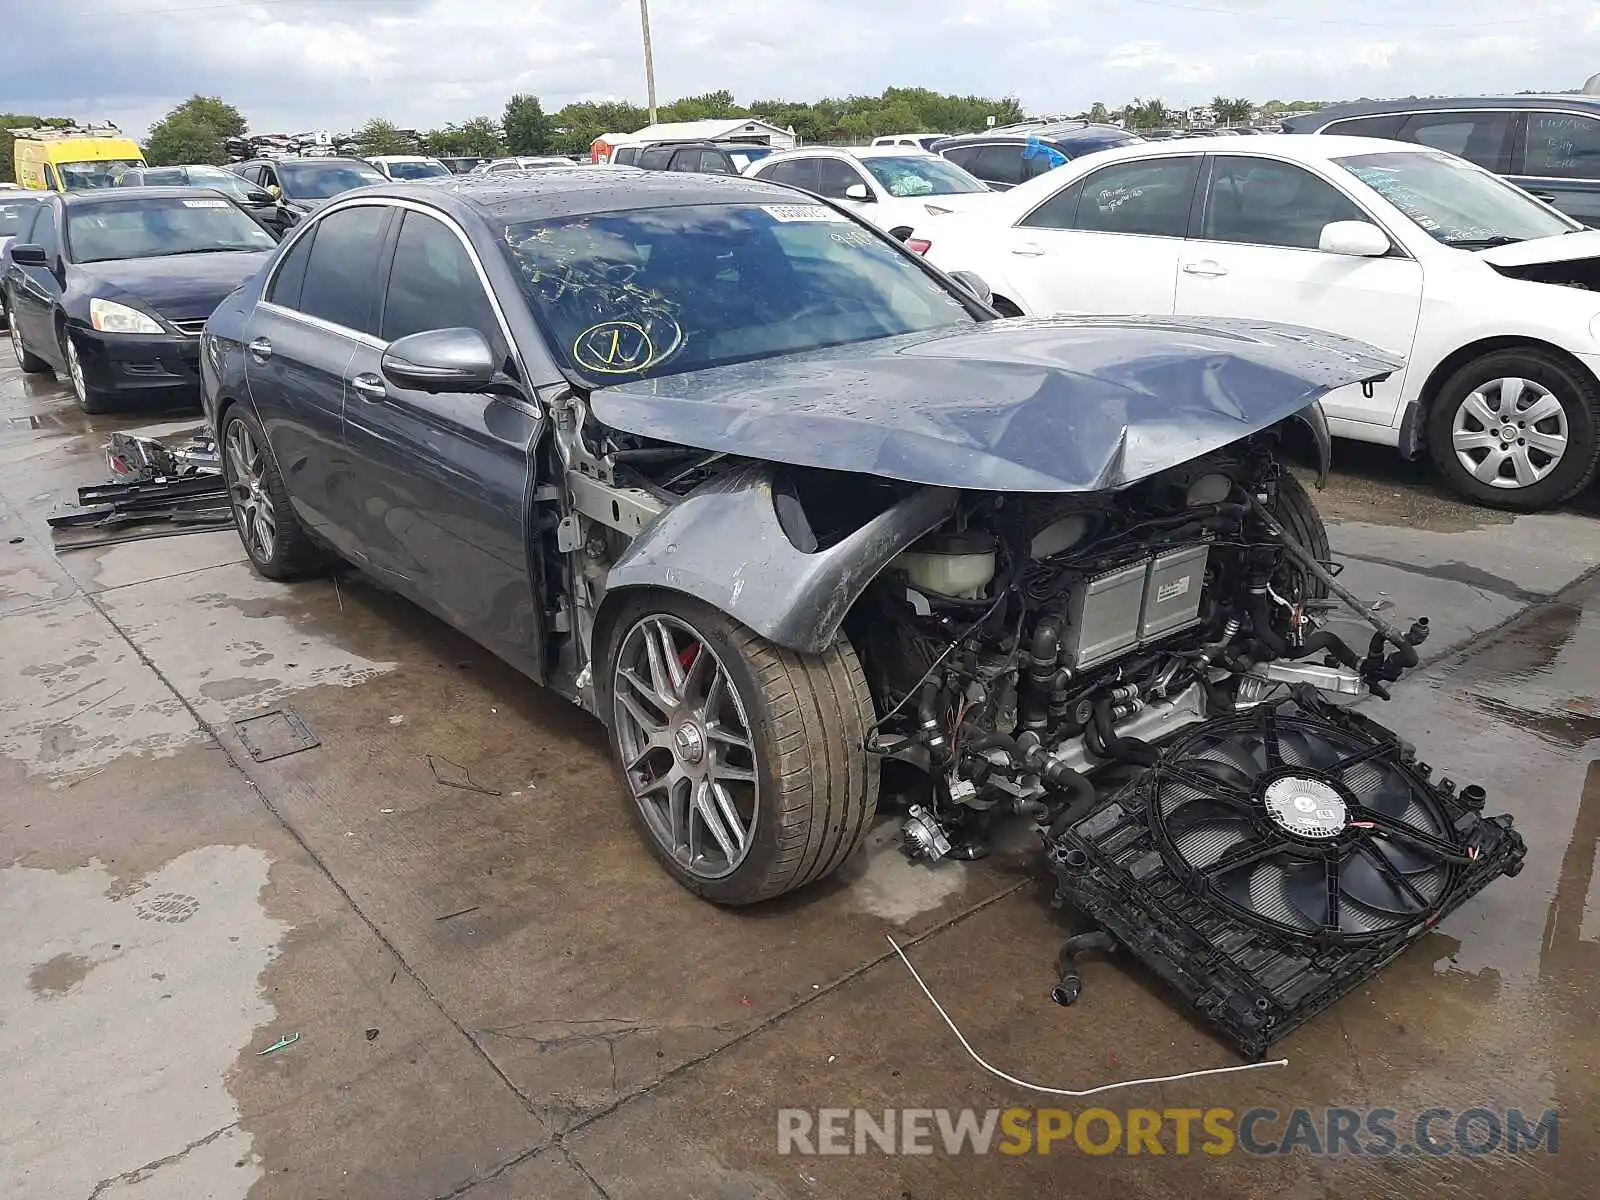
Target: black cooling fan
[[1270, 862]]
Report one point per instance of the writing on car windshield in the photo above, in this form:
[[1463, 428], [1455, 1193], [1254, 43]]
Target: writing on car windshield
[[145, 228], [921, 175], [1456, 203], [630, 295], [324, 180]]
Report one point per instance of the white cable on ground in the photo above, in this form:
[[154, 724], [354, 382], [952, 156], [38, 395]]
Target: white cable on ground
[[1050, 1091]]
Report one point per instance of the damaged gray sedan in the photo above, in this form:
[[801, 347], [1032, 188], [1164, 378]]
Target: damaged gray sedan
[[778, 502]]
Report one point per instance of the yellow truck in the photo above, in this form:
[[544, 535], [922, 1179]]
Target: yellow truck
[[73, 159]]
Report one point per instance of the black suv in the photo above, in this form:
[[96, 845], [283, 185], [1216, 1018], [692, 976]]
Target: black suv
[[1549, 145], [705, 158], [301, 185], [1012, 154]]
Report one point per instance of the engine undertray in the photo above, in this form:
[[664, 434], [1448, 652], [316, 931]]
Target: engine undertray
[[1274, 860]]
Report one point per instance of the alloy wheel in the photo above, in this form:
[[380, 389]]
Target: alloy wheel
[[686, 745], [75, 369], [252, 504], [16, 341], [1510, 433]]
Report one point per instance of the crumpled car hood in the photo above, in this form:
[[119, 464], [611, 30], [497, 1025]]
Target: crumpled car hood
[[1061, 404]]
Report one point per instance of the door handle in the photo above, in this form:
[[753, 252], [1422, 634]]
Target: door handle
[[369, 387], [260, 349], [1547, 197], [1030, 249], [1206, 267]]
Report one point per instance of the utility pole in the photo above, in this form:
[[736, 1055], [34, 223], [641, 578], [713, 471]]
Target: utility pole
[[649, 61]]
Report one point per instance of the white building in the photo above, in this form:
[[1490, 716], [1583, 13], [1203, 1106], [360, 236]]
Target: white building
[[718, 129]]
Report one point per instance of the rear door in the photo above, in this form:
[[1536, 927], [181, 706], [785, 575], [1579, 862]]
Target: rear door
[[444, 478], [1479, 136], [1557, 158], [1107, 243], [1254, 254], [321, 303]]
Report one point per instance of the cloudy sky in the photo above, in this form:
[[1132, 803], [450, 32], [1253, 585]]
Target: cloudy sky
[[292, 65]]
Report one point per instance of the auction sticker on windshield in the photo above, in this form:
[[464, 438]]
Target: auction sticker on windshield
[[205, 204], [803, 212]]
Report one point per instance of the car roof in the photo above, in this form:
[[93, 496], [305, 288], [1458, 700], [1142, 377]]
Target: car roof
[[1363, 108], [1061, 131], [850, 152], [582, 190], [113, 195], [402, 158], [1293, 149], [298, 159]]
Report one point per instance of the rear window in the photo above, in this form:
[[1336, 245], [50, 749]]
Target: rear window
[[147, 228], [418, 170], [319, 181], [634, 295], [918, 175]]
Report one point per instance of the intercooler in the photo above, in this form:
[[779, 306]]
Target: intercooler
[[1132, 604]]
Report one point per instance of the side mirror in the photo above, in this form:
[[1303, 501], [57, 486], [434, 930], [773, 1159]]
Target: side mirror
[[29, 256], [440, 360], [258, 196], [857, 191], [1359, 238], [974, 286]]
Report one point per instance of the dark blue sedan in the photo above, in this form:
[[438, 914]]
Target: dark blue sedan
[[112, 288]]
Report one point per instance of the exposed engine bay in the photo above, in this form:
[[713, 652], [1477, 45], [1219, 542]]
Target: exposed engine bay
[[1137, 674]]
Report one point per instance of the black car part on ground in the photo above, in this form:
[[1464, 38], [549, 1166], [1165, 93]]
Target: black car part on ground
[[159, 491], [1264, 865]]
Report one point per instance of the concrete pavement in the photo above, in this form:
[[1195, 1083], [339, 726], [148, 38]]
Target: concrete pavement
[[498, 995]]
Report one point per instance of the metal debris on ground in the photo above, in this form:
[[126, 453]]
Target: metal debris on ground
[[158, 490], [466, 783], [275, 734], [282, 1042], [459, 913], [372, 1035]]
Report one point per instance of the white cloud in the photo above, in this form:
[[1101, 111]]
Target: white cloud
[[332, 64]]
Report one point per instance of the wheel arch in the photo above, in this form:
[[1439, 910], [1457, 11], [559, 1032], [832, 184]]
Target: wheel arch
[[1460, 357]]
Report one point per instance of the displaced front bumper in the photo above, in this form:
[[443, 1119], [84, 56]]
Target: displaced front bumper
[[126, 362]]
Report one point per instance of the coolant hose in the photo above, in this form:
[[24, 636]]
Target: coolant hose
[[1124, 749], [1322, 639], [1080, 797]]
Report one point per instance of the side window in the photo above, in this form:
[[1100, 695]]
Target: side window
[[45, 232], [835, 177], [626, 156], [269, 178], [713, 163], [286, 284], [965, 157], [1058, 212], [1263, 202], [50, 180], [1478, 137], [1149, 197], [686, 160], [1000, 164], [1562, 146], [796, 172], [1383, 125], [656, 158], [341, 282], [433, 284]]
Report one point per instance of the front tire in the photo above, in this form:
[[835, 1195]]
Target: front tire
[[745, 762], [273, 537], [1517, 430], [89, 400], [1297, 512]]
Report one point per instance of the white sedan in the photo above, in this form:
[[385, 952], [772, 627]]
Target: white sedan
[[894, 187], [1491, 296]]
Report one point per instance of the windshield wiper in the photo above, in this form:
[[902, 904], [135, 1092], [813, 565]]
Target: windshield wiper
[[1499, 239], [208, 250]]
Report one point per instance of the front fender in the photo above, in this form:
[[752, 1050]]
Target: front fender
[[1316, 420], [725, 545]]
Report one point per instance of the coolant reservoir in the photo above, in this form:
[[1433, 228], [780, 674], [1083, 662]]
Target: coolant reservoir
[[951, 564]]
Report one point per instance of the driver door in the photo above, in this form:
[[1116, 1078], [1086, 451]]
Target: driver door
[[444, 478], [1256, 256]]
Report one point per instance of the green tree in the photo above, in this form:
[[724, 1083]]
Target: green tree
[[1098, 112], [378, 136], [10, 121], [1145, 114], [183, 138], [1236, 111], [527, 128], [194, 132], [479, 137]]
